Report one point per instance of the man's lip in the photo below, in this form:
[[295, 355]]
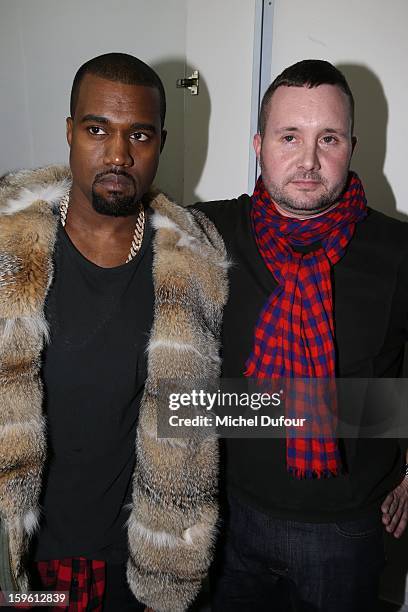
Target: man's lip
[[306, 184], [115, 181]]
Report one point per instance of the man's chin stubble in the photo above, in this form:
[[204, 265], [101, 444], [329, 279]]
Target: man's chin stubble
[[117, 206], [300, 207], [304, 207]]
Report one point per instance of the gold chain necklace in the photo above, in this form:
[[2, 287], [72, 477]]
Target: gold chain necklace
[[138, 233]]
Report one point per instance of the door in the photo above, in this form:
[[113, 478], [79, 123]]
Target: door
[[217, 139]]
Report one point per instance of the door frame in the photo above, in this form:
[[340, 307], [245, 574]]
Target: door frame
[[261, 71]]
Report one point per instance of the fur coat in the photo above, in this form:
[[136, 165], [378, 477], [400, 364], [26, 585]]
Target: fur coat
[[171, 528]]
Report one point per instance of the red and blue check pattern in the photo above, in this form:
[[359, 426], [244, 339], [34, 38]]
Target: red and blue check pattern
[[294, 335]]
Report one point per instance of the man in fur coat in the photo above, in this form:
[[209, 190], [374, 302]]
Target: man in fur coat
[[106, 288]]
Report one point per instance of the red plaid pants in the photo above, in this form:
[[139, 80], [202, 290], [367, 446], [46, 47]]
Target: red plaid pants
[[84, 579]]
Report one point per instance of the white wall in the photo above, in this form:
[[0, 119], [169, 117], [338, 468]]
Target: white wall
[[368, 41], [43, 43]]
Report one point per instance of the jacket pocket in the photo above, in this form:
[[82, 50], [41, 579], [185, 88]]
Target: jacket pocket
[[8, 581]]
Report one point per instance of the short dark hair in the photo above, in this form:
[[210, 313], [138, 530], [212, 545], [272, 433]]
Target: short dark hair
[[122, 68], [307, 73]]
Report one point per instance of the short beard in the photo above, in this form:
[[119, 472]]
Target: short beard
[[297, 205], [116, 205]]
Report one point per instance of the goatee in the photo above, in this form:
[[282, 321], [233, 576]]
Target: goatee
[[116, 206]]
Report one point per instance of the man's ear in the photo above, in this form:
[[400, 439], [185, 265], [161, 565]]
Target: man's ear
[[69, 124], [257, 144], [163, 139]]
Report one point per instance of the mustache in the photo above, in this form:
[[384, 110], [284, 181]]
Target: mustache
[[118, 172], [307, 176]]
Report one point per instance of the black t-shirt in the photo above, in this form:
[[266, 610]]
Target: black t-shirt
[[94, 369], [371, 307]]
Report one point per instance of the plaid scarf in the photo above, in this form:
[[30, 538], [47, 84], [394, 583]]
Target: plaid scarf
[[294, 335]]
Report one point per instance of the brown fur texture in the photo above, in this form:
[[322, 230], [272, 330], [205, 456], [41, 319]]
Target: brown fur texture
[[172, 523]]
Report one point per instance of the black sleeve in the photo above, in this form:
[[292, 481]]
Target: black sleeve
[[224, 213], [216, 211]]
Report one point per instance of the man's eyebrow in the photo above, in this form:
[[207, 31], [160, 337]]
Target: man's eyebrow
[[335, 131], [134, 126], [288, 128], [96, 118], [144, 126]]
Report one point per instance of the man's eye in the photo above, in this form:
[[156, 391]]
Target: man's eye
[[289, 138], [329, 139], [95, 130], [139, 136]]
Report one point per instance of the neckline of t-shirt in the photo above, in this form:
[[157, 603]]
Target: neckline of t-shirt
[[122, 268]]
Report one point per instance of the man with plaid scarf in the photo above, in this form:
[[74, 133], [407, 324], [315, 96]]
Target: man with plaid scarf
[[318, 291]]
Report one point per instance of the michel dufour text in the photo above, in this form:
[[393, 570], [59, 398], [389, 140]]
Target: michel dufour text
[[202, 400]]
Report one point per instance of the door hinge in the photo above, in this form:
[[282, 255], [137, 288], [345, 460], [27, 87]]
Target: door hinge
[[190, 83]]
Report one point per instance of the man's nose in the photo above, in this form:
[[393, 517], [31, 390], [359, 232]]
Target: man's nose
[[117, 152], [309, 156]]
